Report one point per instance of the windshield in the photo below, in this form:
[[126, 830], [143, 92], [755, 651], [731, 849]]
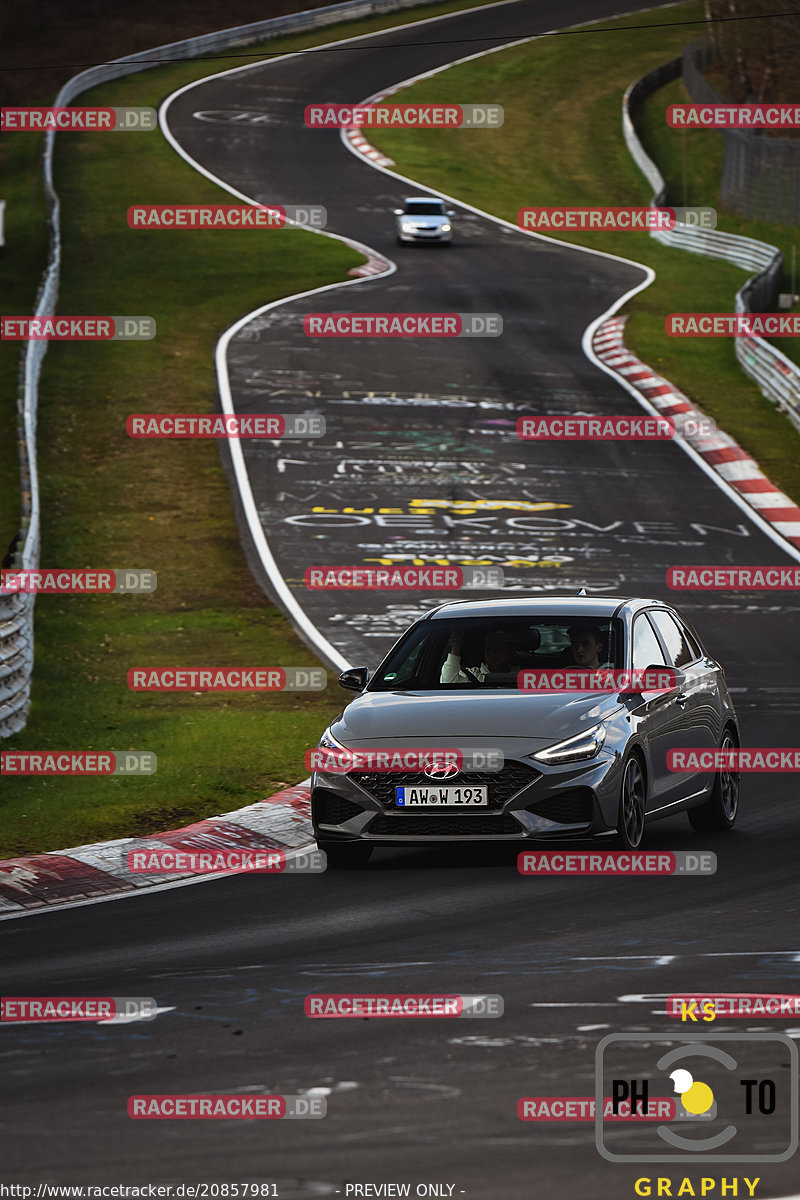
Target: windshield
[[487, 652], [425, 208]]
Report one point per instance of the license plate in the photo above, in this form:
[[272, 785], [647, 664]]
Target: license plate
[[405, 797]]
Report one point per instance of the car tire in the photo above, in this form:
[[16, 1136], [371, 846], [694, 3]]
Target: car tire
[[345, 855], [632, 798], [720, 810]]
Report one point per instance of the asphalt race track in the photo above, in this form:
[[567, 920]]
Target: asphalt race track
[[230, 961]]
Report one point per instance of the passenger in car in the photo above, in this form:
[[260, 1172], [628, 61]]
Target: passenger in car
[[497, 660]]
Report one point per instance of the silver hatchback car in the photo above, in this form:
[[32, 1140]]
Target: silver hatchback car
[[424, 219], [572, 763]]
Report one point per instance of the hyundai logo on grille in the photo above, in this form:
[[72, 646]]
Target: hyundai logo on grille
[[441, 771]]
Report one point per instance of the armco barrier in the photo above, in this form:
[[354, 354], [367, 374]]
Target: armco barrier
[[16, 660], [776, 375], [16, 612]]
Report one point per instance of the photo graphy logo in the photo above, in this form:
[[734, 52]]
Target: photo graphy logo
[[737, 1096]]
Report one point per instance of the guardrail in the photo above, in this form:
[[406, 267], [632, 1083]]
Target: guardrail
[[776, 375], [16, 612]]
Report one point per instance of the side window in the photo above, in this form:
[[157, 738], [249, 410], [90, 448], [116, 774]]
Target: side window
[[679, 650], [693, 644], [646, 650]]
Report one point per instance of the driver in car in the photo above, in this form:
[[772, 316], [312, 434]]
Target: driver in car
[[588, 646], [497, 660]]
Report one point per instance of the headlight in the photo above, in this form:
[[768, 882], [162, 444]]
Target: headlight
[[574, 749], [445, 228], [329, 742], [406, 227]]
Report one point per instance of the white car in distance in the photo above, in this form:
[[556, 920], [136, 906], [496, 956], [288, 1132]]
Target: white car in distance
[[424, 219]]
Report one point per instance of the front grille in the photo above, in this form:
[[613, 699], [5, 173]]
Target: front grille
[[460, 825], [329, 809], [570, 808], [502, 784]]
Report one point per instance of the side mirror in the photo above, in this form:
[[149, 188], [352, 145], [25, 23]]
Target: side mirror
[[398, 212], [451, 212], [355, 679], [656, 669]]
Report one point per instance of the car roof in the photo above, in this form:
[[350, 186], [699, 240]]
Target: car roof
[[523, 606], [410, 199]]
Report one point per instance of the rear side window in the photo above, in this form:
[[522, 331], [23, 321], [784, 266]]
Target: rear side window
[[646, 650], [692, 643], [678, 648]]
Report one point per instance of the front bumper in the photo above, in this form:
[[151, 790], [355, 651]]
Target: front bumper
[[424, 235], [525, 803]]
